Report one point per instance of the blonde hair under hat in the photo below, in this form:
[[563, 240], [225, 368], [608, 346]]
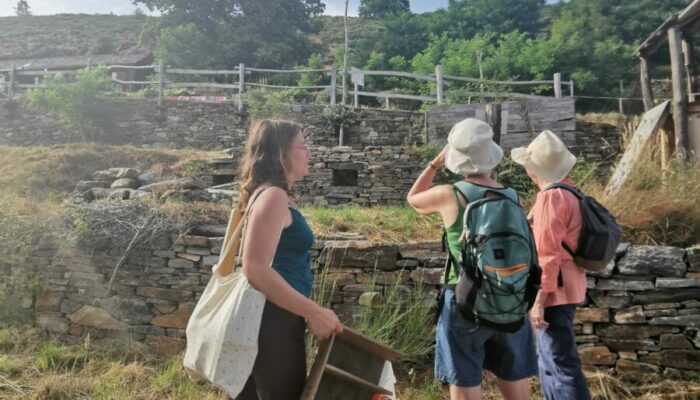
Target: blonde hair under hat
[[546, 156], [471, 149]]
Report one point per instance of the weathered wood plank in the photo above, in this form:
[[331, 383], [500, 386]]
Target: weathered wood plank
[[651, 122]]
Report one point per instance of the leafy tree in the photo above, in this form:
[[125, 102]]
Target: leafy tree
[[22, 8], [261, 33], [466, 18], [382, 8]]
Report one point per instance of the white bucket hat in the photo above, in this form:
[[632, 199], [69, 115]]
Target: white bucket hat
[[547, 157], [471, 149]]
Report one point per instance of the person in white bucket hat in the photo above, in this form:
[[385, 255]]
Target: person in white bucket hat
[[556, 222], [464, 349]]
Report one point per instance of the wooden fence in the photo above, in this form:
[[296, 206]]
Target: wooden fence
[[10, 80]]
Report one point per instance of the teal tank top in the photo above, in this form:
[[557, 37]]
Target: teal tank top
[[292, 259]]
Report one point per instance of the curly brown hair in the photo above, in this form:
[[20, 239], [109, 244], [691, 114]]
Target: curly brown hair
[[265, 158]]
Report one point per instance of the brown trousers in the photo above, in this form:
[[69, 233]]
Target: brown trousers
[[279, 372]]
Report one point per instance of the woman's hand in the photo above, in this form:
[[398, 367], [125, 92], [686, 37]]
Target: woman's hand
[[439, 160], [537, 316], [323, 323]]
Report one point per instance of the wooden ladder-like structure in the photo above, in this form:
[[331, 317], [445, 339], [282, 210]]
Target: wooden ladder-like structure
[[348, 366]]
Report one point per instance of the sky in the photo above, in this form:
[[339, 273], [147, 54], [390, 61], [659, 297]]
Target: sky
[[47, 7]]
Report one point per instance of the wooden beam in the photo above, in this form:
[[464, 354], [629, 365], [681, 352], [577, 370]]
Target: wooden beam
[[645, 81], [689, 58], [680, 95]]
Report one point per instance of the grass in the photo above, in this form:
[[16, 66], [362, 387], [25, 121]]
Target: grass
[[395, 224], [109, 373]]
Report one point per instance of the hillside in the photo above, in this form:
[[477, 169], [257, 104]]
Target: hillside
[[69, 35]]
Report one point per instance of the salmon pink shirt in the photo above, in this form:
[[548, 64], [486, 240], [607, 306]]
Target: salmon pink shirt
[[556, 217]]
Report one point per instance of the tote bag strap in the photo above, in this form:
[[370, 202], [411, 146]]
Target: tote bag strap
[[233, 242]]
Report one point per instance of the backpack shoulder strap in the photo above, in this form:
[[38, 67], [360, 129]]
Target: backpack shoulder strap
[[575, 191]]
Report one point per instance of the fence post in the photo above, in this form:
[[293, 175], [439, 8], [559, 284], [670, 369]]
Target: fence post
[[357, 97], [161, 79], [334, 80], [386, 102], [438, 77], [557, 85], [571, 88], [11, 88], [622, 88], [88, 63], [241, 86]]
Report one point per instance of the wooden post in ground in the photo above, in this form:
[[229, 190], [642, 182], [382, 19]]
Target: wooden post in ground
[[357, 96], [557, 85], [438, 78], [11, 88], [689, 62], [241, 86], [680, 95], [334, 80], [161, 80], [571, 88], [493, 118], [645, 81]]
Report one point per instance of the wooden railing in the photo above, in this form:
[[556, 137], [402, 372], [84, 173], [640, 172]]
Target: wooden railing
[[167, 77]]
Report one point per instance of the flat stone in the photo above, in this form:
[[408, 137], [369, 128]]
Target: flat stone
[[421, 250], [661, 306], [180, 263], [49, 300], [591, 315], [623, 344], [627, 355], [385, 278], [339, 279], [661, 313], [178, 319], [610, 284], [371, 299], [428, 276], [677, 283], [199, 251], [683, 359], [672, 374], [632, 315], [691, 304], [635, 371], [173, 184], [653, 260], [210, 230], [52, 323], [605, 273], [587, 328], [681, 320], [597, 355], [215, 244], [125, 183], [125, 173], [210, 261], [666, 296], [189, 240], [675, 341], [693, 257], [407, 263], [358, 288], [130, 310], [97, 318], [164, 294], [630, 332], [689, 311], [362, 254], [613, 302], [105, 175], [586, 339], [696, 340], [185, 256]]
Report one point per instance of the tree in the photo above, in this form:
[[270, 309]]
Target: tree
[[382, 8], [466, 18], [22, 8], [261, 33]]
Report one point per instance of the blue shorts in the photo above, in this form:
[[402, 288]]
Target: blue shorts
[[464, 349]]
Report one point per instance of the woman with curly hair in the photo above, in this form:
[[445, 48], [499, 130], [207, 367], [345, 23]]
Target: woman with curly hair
[[276, 260]]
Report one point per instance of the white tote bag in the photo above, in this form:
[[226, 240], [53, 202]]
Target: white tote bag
[[222, 333]]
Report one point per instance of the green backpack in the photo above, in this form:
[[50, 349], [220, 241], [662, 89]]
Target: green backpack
[[499, 275]]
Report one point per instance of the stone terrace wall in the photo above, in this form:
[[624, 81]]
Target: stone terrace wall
[[642, 314], [207, 126]]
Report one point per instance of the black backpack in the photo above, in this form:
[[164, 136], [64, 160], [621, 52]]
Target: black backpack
[[600, 234]]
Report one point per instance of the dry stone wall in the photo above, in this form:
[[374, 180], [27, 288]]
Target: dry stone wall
[[641, 316]]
